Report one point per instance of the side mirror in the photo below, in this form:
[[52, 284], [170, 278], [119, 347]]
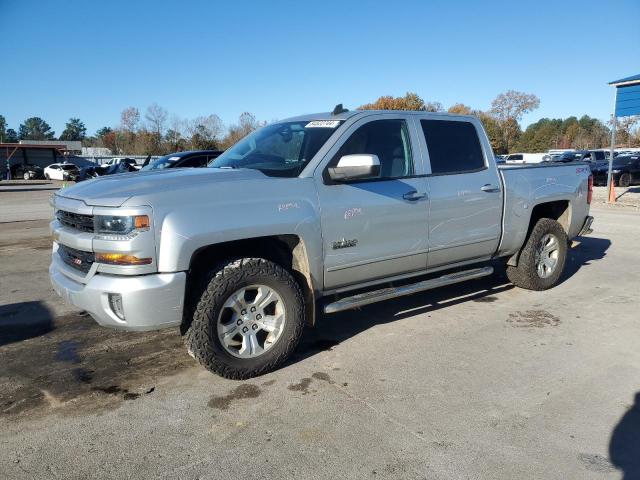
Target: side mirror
[[355, 167]]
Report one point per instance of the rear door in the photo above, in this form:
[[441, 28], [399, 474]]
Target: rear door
[[375, 228], [465, 191]]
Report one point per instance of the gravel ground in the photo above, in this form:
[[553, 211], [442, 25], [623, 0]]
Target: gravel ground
[[477, 380], [625, 197]]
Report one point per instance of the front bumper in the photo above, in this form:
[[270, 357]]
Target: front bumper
[[150, 302]]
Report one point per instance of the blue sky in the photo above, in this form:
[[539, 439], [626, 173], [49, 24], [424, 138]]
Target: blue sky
[[86, 59]]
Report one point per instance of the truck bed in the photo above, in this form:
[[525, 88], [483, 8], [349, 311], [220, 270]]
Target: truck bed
[[526, 185]]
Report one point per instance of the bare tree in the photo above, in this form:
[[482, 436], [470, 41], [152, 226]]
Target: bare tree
[[247, 123], [625, 129], [205, 132], [156, 117], [129, 119], [508, 108]]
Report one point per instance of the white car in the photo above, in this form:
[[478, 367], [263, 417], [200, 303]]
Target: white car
[[60, 171]]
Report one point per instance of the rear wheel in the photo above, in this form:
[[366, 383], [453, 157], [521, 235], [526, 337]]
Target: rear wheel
[[542, 258], [26, 175], [625, 180], [248, 320]]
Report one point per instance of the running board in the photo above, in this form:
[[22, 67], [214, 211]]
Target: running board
[[374, 296]]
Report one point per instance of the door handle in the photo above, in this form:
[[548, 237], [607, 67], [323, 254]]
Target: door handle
[[489, 188], [413, 196]]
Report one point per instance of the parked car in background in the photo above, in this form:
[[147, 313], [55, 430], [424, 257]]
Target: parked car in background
[[129, 161], [524, 158], [188, 159], [27, 171], [88, 173], [61, 171], [625, 171]]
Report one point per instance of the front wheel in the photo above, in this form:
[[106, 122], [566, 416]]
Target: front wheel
[[542, 258], [625, 180], [26, 176], [249, 319]]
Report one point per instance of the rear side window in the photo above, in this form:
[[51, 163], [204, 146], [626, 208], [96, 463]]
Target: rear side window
[[453, 146], [194, 162], [599, 155]]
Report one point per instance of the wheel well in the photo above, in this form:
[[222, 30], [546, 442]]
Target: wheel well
[[558, 210], [288, 251]]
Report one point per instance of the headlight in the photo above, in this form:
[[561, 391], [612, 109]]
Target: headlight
[[616, 171], [120, 225]]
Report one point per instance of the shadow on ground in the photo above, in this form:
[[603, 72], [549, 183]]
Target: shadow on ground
[[334, 329], [20, 321], [624, 447], [628, 191], [69, 361], [590, 249]]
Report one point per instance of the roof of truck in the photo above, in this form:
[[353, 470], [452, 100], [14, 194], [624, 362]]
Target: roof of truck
[[352, 113]]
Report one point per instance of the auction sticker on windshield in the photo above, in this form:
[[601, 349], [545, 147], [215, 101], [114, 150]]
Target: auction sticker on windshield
[[323, 124]]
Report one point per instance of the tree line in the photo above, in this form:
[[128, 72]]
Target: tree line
[[502, 123], [154, 133], [157, 132]]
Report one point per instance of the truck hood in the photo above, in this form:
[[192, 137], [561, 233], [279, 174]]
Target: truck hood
[[115, 190]]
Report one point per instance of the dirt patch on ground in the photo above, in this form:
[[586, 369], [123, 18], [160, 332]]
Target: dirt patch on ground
[[241, 392], [39, 243], [303, 386], [80, 364], [533, 318]]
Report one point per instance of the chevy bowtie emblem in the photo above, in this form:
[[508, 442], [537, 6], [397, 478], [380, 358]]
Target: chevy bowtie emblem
[[77, 261]]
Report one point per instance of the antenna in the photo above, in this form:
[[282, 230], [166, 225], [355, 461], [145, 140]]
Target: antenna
[[339, 109]]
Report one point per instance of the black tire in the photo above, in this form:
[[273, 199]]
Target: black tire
[[26, 176], [625, 180], [525, 275], [201, 338]]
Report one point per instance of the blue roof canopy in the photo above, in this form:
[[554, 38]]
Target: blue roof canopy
[[627, 96], [632, 78]]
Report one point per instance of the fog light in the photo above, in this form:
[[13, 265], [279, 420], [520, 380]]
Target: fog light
[[115, 302]]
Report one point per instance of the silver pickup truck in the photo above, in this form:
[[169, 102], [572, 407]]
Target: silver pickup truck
[[306, 216]]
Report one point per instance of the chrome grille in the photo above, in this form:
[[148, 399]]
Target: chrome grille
[[76, 258], [77, 221]]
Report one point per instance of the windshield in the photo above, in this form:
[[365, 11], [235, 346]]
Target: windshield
[[279, 150], [163, 162]]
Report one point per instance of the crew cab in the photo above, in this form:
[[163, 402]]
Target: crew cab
[[308, 216]]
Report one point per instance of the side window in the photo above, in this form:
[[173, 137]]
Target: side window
[[389, 140], [453, 146], [599, 155], [194, 162]]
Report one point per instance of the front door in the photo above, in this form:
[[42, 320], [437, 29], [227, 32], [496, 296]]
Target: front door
[[375, 228]]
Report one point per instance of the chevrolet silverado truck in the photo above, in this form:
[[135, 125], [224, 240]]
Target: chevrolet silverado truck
[[309, 216]]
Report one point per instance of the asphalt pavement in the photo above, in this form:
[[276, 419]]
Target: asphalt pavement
[[477, 380]]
